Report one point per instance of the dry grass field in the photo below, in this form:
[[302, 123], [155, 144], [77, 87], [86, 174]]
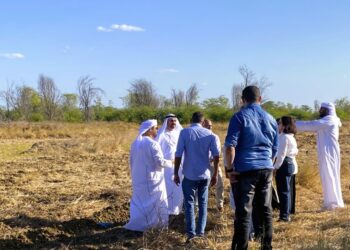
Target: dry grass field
[[59, 181]]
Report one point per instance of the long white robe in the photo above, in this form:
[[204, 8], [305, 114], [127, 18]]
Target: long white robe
[[168, 142], [148, 205], [328, 150]]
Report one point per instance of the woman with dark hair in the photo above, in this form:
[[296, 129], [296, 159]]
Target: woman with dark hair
[[286, 165]]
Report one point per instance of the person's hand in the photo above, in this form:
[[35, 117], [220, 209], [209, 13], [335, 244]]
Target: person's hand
[[233, 176], [177, 180], [213, 180]]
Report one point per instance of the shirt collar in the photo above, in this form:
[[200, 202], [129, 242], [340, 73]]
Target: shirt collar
[[253, 105], [196, 125]]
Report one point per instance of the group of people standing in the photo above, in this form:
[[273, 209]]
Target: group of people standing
[[173, 168]]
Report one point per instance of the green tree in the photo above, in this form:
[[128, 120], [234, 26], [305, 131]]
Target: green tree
[[221, 101]]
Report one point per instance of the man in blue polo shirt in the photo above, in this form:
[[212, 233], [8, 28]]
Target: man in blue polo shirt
[[195, 143], [251, 144]]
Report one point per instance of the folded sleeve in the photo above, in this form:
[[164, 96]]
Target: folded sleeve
[[233, 131], [180, 144], [214, 148]]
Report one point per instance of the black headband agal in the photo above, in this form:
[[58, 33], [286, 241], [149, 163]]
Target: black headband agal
[[170, 116]]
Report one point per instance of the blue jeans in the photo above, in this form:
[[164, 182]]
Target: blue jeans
[[189, 188], [283, 180], [253, 185]]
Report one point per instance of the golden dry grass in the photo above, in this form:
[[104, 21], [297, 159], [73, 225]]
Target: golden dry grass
[[57, 181]]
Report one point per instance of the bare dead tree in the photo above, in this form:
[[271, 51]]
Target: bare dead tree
[[50, 96], [141, 93], [192, 95], [178, 97], [264, 84], [88, 93], [236, 94], [249, 78], [9, 97]]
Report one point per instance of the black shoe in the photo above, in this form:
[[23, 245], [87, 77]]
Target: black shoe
[[284, 219], [190, 238]]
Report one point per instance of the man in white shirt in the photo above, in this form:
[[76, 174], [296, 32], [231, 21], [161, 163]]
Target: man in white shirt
[[148, 205], [167, 137], [327, 129]]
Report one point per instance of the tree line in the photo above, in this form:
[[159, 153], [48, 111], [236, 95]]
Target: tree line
[[47, 103]]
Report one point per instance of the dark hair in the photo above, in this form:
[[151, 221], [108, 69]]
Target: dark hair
[[289, 125], [251, 94], [197, 117]]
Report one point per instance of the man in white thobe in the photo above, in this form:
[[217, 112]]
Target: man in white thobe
[[167, 137], [327, 128], [148, 205]]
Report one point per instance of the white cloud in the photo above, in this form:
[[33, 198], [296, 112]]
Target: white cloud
[[126, 27], [12, 55], [169, 70], [103, 29], [66, 49]]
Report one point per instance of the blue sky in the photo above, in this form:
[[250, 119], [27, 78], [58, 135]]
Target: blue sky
[[301, 46]]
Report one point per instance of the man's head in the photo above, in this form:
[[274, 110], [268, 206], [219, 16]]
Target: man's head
[[327, 108], [251, 94], [208, 124], [171, 123], [152, 132], [197, 117], [323, 112]]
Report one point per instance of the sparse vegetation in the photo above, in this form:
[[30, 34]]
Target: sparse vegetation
[[59, 180]]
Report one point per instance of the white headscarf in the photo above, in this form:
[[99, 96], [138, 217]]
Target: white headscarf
[[331, 108], [144, 127], [332, 113], [163, 129]]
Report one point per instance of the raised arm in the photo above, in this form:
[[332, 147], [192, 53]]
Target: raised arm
[[310, 126]]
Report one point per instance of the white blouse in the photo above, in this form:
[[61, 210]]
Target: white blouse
[[287, 146]]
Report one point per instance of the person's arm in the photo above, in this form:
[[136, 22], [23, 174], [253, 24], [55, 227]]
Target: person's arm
[[215, 151], [281, 152], [231, 140], [215, 172], [229, 169], [178, 157], [310, 126], [158, 157], [176, 170], [275, 143]]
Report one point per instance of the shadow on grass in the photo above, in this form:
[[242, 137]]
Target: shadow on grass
[[39, 233]]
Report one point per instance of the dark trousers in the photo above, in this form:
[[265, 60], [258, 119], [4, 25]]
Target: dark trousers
[[283, 181], [292, 194], [252, 185]]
